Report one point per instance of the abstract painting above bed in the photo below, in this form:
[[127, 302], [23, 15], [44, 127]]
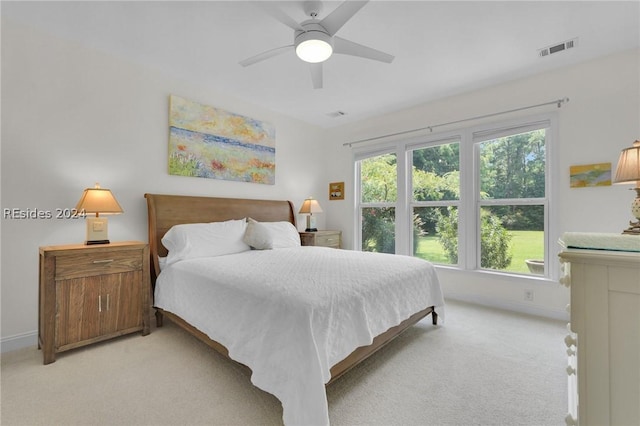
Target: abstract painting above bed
[[213, 143]]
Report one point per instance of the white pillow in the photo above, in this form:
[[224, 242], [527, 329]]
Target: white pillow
[[192, 240], [271, 235], [162, 262]]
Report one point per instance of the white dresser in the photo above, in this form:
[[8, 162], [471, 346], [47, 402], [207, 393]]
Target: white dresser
[[604, 339]]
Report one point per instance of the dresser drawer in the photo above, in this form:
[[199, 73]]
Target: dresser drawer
[[90, 264]]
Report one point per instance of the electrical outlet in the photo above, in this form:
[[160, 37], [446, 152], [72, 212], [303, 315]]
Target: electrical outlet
[[528, 295]]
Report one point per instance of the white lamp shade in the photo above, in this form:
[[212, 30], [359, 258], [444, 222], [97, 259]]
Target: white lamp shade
[[628, 169], [98, 200], [310, 206]]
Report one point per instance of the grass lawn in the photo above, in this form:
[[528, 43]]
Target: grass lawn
[[524, 245]]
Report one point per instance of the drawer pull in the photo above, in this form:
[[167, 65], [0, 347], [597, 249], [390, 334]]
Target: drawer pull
[[103, 261], [100, 303]]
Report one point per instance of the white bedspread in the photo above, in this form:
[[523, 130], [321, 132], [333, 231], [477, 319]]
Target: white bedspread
[[290, 314]]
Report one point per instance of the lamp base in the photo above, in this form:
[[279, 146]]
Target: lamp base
[[633, 229], [311, 224], [97, 231], [92, 242]]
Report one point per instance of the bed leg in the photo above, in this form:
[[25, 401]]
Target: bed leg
[[159, 318], [434, 318]]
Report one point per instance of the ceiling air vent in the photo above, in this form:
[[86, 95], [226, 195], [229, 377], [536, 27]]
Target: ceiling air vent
[[556, 48], [336, 114]]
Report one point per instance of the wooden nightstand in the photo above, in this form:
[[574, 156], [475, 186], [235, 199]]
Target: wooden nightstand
[[91, 293], [321, 238]]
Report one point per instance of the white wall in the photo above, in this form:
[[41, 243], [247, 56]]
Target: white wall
[[72, 117], [601, 118]]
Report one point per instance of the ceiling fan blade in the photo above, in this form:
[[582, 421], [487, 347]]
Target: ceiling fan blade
[[347, 47], [316, 75], [265, 55], [271, 10], [336, 19]]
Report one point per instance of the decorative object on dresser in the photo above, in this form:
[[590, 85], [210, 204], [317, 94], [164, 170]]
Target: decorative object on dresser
[[309, 207], [97, 200], [321, 238], [628, 171], [603, 344], [91, 293]]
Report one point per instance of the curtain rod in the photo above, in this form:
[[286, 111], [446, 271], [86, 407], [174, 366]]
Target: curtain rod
[[557, 102]]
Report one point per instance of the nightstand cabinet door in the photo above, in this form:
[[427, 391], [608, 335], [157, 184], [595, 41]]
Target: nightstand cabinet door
[[119, 315], [92, 293], [77, 316], [321, 238]]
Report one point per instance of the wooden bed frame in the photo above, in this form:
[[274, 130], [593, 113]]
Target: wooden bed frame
[[164, 211]]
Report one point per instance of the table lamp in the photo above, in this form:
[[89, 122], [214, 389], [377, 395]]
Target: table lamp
[[97, 200], [628, 171], [309, 207]]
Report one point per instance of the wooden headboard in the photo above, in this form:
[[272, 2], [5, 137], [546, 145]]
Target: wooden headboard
[[164, 211]]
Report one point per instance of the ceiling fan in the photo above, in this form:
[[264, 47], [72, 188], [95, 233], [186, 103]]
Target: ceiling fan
[[314, 40]]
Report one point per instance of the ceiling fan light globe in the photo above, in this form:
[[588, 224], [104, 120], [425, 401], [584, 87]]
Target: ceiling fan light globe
[[314, 51], [313, 45]]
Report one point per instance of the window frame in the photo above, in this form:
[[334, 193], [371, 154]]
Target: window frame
[[432, 143], [359, 205], [513, 127], [469, 203]]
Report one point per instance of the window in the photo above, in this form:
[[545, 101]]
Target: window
[[477, 199], [378, 196], [512, 202], [435, 189]]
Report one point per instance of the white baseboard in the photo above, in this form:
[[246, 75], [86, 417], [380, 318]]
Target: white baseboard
[[19, 341], [524, 308]]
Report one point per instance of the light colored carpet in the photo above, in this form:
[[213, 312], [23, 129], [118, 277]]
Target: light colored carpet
[[482, 367]]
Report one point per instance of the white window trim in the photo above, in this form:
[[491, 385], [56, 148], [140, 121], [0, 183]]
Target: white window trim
[[435, 140], [505, 128], [469, 188], [359, 155]]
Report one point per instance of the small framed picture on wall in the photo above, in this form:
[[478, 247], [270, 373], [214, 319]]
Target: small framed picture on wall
[[582, 176], [336, 191]]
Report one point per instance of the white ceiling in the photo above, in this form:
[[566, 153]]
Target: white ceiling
[[441, 48]]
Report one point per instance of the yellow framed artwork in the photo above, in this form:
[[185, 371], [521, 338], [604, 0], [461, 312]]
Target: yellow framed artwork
[[213, 143], [336, 191], [590, 175]]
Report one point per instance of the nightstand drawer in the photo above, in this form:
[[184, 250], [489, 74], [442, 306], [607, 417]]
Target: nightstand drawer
[[332, 240], [90, 264], [321, 238]]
